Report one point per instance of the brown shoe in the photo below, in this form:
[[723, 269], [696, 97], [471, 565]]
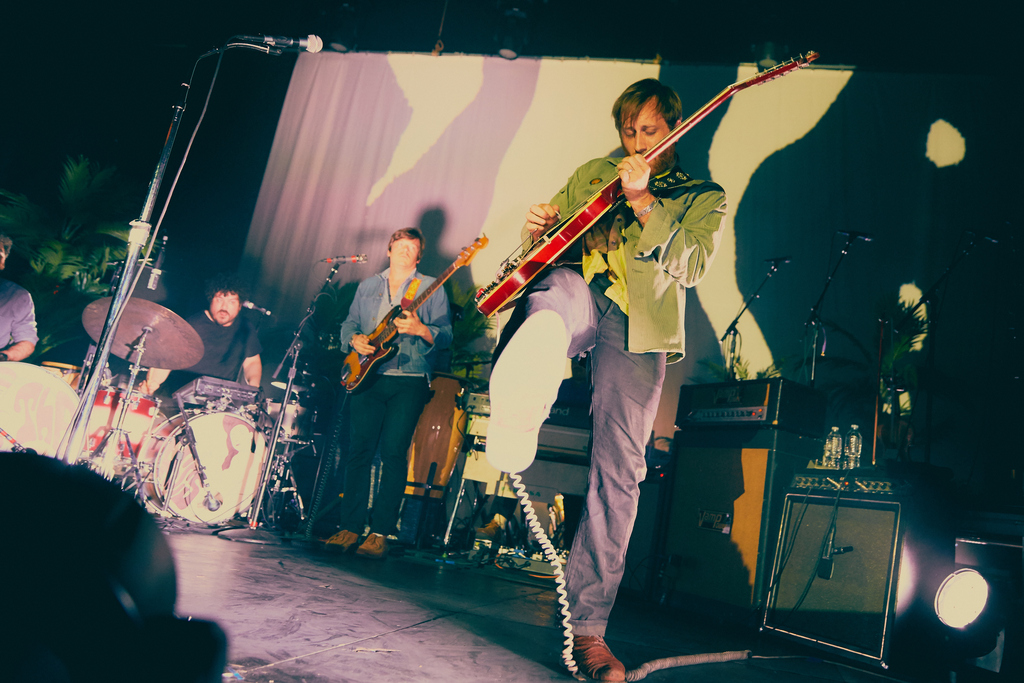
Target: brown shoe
[[375, 547], [343, 541], [595, 659]]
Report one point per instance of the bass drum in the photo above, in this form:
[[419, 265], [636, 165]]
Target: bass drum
[[232, 452], [35, 408]]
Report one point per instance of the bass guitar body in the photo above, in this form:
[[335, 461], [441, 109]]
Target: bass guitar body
[[358, 367]]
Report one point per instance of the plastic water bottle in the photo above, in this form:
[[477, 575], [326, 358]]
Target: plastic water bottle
[[851, 459], [833, 449]]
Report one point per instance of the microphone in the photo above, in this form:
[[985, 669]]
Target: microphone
[[211, 502], [154, 275], [310, 43], [356, 258], [253, 307], [866, 236], [777, 261]]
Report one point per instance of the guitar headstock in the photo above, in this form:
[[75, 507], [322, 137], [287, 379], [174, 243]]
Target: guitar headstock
[[467, 254], [797, 62]]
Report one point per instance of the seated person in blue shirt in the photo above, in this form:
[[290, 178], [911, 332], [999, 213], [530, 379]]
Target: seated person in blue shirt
[[388, 404]]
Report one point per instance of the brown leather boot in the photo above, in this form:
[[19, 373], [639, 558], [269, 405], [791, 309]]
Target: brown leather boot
[[595, 659], [375, 547], [343, 541]]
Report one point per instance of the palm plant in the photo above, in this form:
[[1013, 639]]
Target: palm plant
[[65, 251]]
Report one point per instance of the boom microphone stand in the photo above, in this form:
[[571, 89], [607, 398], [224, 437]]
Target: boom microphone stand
[[72, 443], [814, 321], [729, 352]]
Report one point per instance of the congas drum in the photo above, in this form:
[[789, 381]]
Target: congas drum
[[437, 439], [68, 374], [141, 412], [232, 452], [35, 408]]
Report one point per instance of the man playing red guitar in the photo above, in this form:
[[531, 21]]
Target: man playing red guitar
[[388, 407], [623, 306]]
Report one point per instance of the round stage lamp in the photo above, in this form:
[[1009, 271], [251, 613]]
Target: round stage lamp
[[961, 598]]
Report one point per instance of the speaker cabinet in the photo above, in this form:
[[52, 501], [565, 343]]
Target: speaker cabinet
[[836, 572], [725, 510]]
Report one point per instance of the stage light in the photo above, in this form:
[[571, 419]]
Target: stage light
[[961, 598], [514, 31]]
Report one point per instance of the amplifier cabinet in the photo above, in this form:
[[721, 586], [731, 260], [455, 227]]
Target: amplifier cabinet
[[856, 574], [725, 509], [835, 574]]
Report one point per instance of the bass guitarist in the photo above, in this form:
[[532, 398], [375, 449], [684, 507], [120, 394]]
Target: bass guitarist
[[623, 306], [388, 404]]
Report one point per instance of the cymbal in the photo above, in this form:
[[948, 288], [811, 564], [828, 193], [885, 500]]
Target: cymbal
[[173, 344]]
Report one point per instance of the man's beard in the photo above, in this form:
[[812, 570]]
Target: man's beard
[[664, 161]]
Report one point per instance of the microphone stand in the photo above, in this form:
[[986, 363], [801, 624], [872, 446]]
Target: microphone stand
[[74, 438], [251, 533], [814, 321], [729, 347]]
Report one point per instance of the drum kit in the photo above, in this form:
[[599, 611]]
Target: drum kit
[[207, 463]]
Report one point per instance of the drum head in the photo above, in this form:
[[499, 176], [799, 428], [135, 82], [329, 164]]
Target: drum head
[[232, 453], [35, 407]]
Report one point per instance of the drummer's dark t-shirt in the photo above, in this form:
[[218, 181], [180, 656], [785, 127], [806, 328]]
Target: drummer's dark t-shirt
[[225, 347]]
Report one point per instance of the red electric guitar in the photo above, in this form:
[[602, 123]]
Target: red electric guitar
[[520, 269], [357, 366]]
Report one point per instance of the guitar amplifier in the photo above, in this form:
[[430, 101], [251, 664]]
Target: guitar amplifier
[[772, 403]]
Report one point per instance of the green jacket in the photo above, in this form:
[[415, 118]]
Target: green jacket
[[673, 251]]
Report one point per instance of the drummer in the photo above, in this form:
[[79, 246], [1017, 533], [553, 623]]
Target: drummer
[[17, 314], [231, 344]]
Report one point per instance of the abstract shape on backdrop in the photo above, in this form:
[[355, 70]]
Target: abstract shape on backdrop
[[945, 146], [760, 122], [436, 100]]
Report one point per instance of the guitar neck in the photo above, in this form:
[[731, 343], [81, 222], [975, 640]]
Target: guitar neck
[[426, 293], [695, 118]]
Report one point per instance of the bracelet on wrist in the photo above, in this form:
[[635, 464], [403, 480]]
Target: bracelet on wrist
[[646, 210]]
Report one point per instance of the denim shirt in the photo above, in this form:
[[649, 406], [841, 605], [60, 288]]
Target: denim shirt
[[414, 355]]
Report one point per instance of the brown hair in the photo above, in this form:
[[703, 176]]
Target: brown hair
[[408, 234], [633, 99]]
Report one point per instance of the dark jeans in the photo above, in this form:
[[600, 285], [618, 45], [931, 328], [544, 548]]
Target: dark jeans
[[626, 393], [386, 413]]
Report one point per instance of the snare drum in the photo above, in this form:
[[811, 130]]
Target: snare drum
[[296, 423], [232, 452], [138, 420], [35, 407]]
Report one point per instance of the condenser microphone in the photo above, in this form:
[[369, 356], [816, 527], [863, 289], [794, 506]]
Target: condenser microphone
[[253, 307], [866, 236], [310, 43], [356, 258]]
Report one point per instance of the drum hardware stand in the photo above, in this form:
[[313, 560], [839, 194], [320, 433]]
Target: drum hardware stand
[[15, 446], [729, 339], [251, 533], [187, 436], [104, 465], [814, 321]]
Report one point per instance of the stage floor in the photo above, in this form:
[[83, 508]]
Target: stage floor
[[295, 612]]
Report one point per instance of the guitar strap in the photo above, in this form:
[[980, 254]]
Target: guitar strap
[[410, 293]]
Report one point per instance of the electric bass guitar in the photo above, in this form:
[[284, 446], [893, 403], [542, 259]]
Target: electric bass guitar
[[520, 269], [358, 366]]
